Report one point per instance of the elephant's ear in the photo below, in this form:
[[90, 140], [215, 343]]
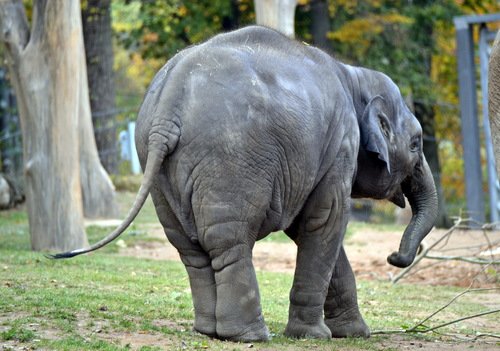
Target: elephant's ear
[[376, 130]]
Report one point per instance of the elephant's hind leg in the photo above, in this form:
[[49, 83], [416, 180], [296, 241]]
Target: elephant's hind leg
[[342, 314], [198, 266], [238, 312], [202, 282]]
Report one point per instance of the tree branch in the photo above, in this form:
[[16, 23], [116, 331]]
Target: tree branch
[[14, 28], [420, 328], [462, 258], [468, 290], [455, 321]]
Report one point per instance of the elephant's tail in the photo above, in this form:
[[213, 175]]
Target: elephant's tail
[[163, 138]]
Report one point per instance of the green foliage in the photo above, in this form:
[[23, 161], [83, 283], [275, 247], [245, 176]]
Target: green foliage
[[129, 183], [395, 37], [161, 28], [412, 42]]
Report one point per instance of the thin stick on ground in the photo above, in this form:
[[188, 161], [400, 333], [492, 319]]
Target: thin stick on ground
[[421, 328], [469, 290]]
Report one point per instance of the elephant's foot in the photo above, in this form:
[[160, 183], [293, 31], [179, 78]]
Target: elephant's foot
[[255, 332], [298, 329], [348, 325], [205, 325]]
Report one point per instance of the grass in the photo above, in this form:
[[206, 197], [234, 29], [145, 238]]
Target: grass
[[104, 301]]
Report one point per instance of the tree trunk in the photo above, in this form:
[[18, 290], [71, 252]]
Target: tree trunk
[[494, 98], [277, 14], [48, 89], [97, 189], [320, 24], [97, 34]]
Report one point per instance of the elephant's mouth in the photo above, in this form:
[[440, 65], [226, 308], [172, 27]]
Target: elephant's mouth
[[393, 192]]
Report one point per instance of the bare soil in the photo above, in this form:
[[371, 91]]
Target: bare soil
[[367, 252]]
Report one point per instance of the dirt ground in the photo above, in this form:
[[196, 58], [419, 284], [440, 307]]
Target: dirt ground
[[367, 252]]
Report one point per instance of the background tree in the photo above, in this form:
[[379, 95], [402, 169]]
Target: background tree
[[45, 76], [97, 34], [277, 14], [159, 29], [320, 24], [63, 174], [413, 42]]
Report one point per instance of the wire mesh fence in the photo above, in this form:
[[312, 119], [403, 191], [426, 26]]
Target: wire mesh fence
[[112, 137]]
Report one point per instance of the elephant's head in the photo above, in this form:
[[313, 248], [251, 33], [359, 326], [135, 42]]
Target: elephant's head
[[391, 163]]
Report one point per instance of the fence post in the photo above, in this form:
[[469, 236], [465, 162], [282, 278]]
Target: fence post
[[468, 113], [134, 159]]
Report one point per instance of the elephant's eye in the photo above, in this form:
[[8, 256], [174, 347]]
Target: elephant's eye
[[415, 144]]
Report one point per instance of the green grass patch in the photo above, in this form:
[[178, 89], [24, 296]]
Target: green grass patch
[[147, 215], [17, 334]]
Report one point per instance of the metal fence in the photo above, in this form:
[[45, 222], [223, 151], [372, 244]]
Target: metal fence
[[11, 153], [121, 148]]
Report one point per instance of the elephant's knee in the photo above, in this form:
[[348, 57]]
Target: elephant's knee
[[195, 261], [220, 239], [228, 257]]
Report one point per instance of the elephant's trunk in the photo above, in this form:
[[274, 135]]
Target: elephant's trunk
[[421, 192]]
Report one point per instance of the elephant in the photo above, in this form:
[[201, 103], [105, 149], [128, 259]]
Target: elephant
[[252, 132]]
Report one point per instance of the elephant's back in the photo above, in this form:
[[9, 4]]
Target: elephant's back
[[254, 120]]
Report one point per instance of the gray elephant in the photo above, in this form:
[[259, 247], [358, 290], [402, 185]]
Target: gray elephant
[[252, 132]]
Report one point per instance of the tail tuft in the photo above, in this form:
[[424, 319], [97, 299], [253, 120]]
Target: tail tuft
[[67, 254]]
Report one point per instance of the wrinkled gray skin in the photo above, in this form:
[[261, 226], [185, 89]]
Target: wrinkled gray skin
[[252, 132]]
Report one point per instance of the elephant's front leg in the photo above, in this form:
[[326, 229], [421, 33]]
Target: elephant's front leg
[[342, 314], [318, 234]]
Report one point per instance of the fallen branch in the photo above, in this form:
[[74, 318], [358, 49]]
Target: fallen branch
[[462, 258], [454, 321], [486, 335], [421, 328], [468, 290]]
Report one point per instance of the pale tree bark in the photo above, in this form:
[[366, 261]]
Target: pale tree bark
[[277, 14], [47, 69], [97, 189], [47, 81], [494, 98]]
